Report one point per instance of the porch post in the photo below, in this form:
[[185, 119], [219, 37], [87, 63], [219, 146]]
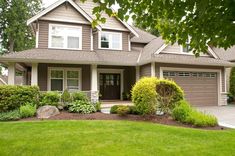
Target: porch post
[[153, 70], [11, 73], [137, 71], [94, 84], [34, 74]]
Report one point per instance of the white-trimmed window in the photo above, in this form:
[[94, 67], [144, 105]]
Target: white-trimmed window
[[64, 78], [110, 40], [65, 37]]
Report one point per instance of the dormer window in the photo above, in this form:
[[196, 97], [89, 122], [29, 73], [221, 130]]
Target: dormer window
[[65, 37], [110, 40], [186, 48]]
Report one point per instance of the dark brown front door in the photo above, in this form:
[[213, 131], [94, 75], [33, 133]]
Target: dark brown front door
[[110, 86]]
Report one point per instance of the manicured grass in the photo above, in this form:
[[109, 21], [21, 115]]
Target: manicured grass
[[101, 138]]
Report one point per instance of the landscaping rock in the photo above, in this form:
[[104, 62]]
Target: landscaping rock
[[46, 112]]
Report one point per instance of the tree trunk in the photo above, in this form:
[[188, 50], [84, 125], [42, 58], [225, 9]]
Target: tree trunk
[[11, 45]]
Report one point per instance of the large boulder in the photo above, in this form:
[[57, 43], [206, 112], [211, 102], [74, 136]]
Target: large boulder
[[46, 112]]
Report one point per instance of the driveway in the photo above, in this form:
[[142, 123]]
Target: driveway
[[224, 114]]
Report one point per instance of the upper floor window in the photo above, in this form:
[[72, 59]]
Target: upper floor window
[[110, 40], [65, 37]]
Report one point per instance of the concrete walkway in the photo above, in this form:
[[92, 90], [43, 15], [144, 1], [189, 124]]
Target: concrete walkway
[[224, 114]]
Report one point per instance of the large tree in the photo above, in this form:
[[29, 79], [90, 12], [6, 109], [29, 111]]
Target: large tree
[[14, 33], [206, 22]]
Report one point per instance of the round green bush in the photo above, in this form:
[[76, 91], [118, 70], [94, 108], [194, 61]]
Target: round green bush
[[168, 95], [123, 110], [51, 98], [182, 111], [144, 95]]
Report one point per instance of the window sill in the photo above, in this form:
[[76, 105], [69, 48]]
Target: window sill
[[110, 49], [66, 48]]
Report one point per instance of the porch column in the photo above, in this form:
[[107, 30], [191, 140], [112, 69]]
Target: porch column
[[137, 71], [34, 74], [153, 70], [11, 73], [94, 84]]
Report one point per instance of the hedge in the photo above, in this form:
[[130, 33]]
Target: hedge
[[12, 97]]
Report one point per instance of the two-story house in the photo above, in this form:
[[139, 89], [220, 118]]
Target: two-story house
[[110, 58]]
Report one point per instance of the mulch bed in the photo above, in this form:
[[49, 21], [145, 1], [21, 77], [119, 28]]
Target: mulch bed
[[165, 120]]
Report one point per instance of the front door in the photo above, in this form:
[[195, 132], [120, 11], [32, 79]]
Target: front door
[[110, 86]]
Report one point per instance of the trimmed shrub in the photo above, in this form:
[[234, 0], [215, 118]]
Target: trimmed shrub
[[10, 116], [114, 108], [168, 95], [77, 96], [81, 106], [12, 97], [186, 114], [123, 110], [232, 83], [66, 97], [51, 98], [133, 110], [144, 96], [28, 110], [182, 111]]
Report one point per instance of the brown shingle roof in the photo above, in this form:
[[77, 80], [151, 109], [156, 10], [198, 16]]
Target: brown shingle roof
[[144, 37], [228, 54]]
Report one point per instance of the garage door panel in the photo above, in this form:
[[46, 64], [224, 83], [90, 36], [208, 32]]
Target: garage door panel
[[200, 90]]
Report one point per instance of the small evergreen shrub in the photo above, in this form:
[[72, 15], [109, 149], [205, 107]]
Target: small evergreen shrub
[[144, 95], [133, 110], [51, 98], [186, 114], [97, 106], [10, 116], [77, 96], [114, 108], [168, 95], [12, 97], [123, 110], [66, 97], [27, 110], [81, 106]]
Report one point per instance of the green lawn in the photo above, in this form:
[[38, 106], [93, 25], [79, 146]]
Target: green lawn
[[112, 138]]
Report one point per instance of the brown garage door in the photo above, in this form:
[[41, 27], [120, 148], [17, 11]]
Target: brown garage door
[[200, 88]]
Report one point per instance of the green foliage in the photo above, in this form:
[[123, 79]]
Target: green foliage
[[203, 21], [81, 106], [66, 97], [14, 32], [50, 98], [12, 97], [186, 114], [144, 96], [182, 111], [98, 106], [133, 110], [77, 96], [168, 95], [27, 110], [123, 110], [10, 116], [232, 82]]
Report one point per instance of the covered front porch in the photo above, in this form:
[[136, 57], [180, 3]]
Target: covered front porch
[[100, 82]]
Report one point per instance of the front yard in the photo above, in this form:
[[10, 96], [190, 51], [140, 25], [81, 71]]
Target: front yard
[[110, 138]]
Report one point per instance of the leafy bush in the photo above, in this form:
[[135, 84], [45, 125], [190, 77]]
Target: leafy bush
[[77, 96], [10, 116], [232, 83], [81, 106], [182, 111], [144, 96], [66, 97], [186, 114], [50, 98], [123, 110], [168, 95], [12, 97], [98, 106], [133, 110], [28, 110], [114, 108]]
